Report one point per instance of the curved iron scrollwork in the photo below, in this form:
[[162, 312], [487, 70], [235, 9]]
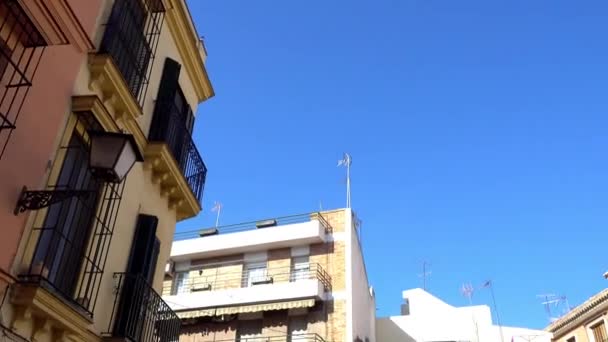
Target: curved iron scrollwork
[[34, 200]]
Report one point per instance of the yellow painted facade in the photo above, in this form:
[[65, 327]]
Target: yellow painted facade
[[154, 187], [587, 322]]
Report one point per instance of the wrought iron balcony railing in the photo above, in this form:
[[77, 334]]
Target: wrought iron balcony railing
[[171, 129], [277, 338], [131, 38], [211, 280], [139, 314]]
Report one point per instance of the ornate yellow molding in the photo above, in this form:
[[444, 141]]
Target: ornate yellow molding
[[173, 185], [58, 23], [115, 94], [44, 313], [189, 46], [94, 105]]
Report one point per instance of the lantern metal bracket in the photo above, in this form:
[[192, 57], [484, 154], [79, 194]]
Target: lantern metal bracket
[[34, 200]]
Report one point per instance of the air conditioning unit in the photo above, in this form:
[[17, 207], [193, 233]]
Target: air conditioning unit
[[170, 268], [201, 287]]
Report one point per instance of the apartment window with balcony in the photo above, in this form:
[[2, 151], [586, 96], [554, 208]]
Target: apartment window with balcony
[[255, 273], [131, 38], [21, 48], [599, 332], [300, 268], [172, 124], [70, 245], [139, 312], [181, 283]]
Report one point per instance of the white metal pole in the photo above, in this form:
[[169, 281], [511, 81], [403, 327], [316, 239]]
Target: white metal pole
[[217, 218], [348, 182]]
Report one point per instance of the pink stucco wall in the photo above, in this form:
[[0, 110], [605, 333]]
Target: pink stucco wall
[[41, 121]]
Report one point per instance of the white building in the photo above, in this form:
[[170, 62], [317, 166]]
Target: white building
[[427, 318]]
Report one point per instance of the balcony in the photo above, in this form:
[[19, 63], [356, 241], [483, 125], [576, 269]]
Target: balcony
[[277, 338], [139, 313], [221, 293], [176, 163], [252, 236], [131, 38]]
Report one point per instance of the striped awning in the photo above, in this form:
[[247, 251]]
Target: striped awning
[[230, 310]]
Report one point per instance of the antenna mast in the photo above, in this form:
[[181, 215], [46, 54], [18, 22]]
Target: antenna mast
[[346, 161], [424, 273]]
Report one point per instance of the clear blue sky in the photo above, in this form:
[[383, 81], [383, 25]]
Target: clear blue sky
[[477, 130]]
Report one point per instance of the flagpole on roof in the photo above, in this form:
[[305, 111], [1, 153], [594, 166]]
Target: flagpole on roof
[[346, 161], [217, 207], [488, 285]]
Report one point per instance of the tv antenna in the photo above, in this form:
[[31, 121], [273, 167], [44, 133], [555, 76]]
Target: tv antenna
[[425, 273], [467, 291], [551, 300], [217, 207]]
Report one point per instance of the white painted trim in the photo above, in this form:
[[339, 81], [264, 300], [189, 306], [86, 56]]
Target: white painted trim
[[338, 236], [348, 255], [588, 327], [300, 251], [336, 295]]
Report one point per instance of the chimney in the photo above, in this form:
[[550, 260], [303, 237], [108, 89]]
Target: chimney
[[405, 307]]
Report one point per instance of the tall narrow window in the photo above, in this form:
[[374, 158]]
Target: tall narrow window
[[182, 283], [140, 273], [172, 124], [254, 274], [599, 332], [69, 245], [300, 268], [67, 225], [21, 48], [131, 38]]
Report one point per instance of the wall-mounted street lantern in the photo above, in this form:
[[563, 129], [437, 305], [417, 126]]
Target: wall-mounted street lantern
[[111, 157]]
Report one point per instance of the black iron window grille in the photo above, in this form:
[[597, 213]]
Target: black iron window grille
[[143, 316], [131, 38], [69, 245], [21, 48], [172, 124]]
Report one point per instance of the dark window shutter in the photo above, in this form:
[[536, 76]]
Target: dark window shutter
[[169, 84], [143, 255], [153, 261]]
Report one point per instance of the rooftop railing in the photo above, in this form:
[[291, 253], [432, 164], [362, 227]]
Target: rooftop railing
[[259, 224]]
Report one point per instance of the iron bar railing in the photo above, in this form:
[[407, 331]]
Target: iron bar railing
[[70, 244], [171, 129], [252, 225], [131, 38], [278, 338], [215, 279], [21, 49], [139, 314]]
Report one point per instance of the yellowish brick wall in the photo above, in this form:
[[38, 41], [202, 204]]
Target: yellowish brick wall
[[331, 257], [335, 218], [580, 333], [329, 320]]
